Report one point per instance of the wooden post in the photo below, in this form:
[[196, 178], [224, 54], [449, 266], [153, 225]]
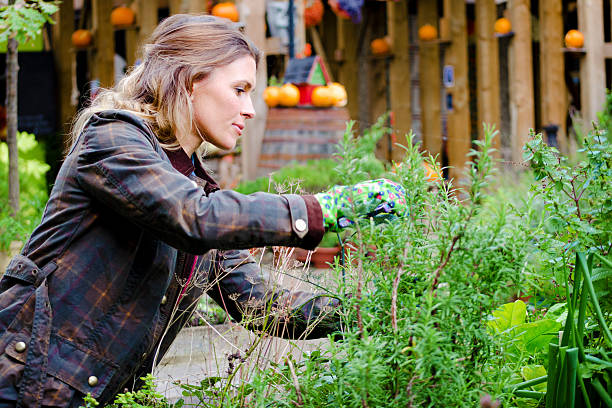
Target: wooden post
[[487, 68], [522, 114], [64, 59], [592, 65], [347, 56], [103, 60], [458, 122], [196, 6], [399, 74], [147, 18], [552, 68], [254, 131], [429, 80], [175, 7]]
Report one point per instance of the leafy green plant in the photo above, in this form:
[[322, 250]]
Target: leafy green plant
[[32, 167]]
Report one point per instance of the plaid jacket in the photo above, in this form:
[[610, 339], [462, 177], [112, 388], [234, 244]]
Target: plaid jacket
[[109, 277]]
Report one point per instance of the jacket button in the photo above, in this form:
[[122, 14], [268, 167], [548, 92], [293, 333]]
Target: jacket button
[[164, 300], [300, 225], [92, 381], [20, 347]]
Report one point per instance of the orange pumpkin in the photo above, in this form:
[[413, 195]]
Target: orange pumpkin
[[271, 96], [289, 95], [322, 97], [122, 16], [313, 13], [427, 32], [226, 10], [380, 46], [338, 94], [430, 174], [574, 39], [502, 26], [81, 38]]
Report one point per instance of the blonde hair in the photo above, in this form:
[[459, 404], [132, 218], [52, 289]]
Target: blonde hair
[[183, 49]]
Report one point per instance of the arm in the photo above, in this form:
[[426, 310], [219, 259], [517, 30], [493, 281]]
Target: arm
[[120, 168], [238, 285]]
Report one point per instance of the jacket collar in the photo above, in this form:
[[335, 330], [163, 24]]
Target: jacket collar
[[182, 163]]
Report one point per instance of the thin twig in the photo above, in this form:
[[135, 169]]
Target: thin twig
[[296, 383], [400, 272]]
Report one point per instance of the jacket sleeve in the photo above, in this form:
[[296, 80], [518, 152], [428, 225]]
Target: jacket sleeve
[[119, 167], [238, 285]]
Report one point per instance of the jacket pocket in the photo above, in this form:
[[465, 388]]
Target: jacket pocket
[[68, 364], [56, 393]]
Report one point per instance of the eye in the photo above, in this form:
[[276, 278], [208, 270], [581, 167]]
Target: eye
[[239, 90]]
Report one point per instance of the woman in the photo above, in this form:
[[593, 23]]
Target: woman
[[135, 230]]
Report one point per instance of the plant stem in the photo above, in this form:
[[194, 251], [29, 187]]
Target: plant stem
[[589, 283]]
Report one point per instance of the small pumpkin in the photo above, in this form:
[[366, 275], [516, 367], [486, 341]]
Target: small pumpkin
[[574, 39], [271, 96], [313, 13], [81, 38], [226, 10], [339, 95], [380, 46], [427, 32], [502, 26], [289, 95], [322, 97], [122, 16]]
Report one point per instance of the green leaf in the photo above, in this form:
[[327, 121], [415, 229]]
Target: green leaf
[[530, 372], [536, 336], [508, 315]]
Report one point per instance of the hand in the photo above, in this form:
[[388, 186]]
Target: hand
[[379, 199]]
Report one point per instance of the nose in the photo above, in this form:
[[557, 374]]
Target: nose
[[248, 111]]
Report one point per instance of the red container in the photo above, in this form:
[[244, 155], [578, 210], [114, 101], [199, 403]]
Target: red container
[[306, 94]]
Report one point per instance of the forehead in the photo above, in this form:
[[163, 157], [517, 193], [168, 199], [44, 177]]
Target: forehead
[[241, 69]]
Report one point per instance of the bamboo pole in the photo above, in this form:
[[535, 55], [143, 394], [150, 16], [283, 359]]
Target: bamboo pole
[[487, 68], [552, 68], [459, 132], [592, 65], [522, 114], [429, 80], [399, 74]]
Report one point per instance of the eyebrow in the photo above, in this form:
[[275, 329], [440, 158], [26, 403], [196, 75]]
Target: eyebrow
[[247, 84]]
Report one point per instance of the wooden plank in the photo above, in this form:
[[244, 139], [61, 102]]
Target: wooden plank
[[552, 69], [522, 113], [348, 70], [429, 80], [103, 59], [458, 122], [64, 59], [592, 65], [399, 74], [175, 7], [196, 6], [487, 68], [254, 131]]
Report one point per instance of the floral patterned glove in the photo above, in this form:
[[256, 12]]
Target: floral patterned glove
[[380, 199]]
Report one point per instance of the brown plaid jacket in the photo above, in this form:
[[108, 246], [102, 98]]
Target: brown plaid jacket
[[130, 238]]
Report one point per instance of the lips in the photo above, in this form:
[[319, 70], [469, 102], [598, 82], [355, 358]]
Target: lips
[[238, 128]]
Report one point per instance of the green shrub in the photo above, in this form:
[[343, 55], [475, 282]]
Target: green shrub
[[33, 193]]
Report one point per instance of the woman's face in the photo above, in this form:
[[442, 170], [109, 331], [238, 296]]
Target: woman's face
[[222, 102]]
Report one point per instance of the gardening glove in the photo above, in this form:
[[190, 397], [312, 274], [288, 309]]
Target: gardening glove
[[379, 199]]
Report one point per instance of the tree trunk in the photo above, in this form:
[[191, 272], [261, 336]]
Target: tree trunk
[[12, 68]]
